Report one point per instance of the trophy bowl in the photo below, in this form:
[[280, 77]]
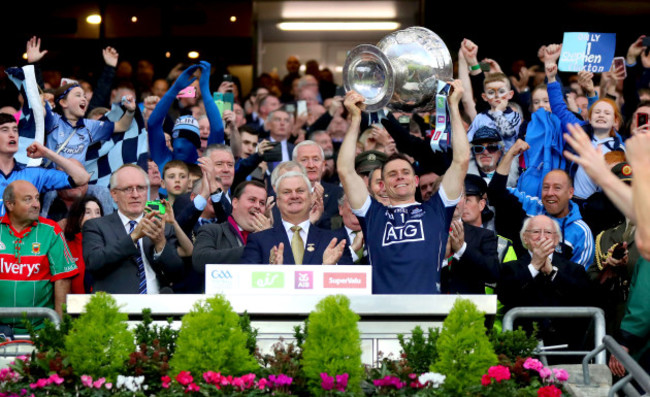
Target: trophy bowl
[[401, 72]]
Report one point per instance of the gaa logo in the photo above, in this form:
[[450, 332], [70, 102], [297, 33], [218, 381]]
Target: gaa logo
[[221, 275], [411, 231]]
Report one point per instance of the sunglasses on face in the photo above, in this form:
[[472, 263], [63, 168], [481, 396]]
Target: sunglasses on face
[[478, 149]]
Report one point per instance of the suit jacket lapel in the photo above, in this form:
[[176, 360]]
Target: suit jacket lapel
[[282, 237]]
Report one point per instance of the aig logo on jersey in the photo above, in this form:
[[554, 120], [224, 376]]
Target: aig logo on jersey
[[409, 232]]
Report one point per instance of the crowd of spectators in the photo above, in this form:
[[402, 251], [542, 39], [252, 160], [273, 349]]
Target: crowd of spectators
[[138, 184]]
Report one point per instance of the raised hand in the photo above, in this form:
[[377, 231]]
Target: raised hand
[[354, 103], [277, 255], [470, 51], [494, 65], [521, 83], [36, 150], [457, 235], [333, 252], [110, 56], [635, 50], [586, 155], [552, 53], [186, 78], [585, 80], [205, 71], [456, 93], [129, 103], [518, 148], [33, 50]]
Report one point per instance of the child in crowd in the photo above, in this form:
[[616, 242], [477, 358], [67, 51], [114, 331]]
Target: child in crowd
[[175, 179], [603, 117], [497, 92], [69, 133]]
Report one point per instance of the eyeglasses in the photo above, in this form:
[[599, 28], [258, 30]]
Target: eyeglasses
[[131, 189], [478, 149], [538, 232]]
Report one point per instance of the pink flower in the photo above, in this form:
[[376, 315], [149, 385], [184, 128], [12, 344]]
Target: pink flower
[[87, 380], [184, 378], [328, 381], [192, 387], [486, 380], [109, 386], [212, 377], [549, 391], [261, 384], [56, 379], [561, 375], [239, 383], [544, 373], [166, 381], [499, 373], [534, 364], [389, 381], [342, 382], [99, 382], [249, 380]]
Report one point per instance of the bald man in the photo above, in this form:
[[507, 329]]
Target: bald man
[[38, 273], [513, 206]]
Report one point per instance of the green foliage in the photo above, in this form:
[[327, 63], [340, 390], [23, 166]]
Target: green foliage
[[420, 351], [99, 342], [332, 345], [250, 332], [50, 337], [464, 350], [513, 344], [211, 339], [156, 345]]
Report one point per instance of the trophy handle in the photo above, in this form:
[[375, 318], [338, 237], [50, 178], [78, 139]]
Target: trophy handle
[[369, 72]]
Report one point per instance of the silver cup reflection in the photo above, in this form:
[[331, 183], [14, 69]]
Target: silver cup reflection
[[402, 71]]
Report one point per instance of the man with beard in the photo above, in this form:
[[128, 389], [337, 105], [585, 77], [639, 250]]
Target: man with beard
[[487, 152]]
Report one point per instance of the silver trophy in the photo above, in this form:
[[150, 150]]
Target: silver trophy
[[402, 71]]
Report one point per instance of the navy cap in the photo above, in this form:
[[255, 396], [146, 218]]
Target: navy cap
[[475, 185], [486, 134]]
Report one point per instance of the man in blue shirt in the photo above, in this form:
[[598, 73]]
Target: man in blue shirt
[[73, 174], [406, 240]]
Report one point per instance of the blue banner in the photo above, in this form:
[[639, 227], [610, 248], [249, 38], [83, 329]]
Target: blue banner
[[588, 51]]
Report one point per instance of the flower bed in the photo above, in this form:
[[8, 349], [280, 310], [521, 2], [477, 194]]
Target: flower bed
[[332, 367]]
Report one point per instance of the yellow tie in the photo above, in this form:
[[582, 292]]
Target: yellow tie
[[297, 246]]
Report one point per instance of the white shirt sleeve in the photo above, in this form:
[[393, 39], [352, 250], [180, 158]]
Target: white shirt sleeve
[[445, 200], [364, 208], [200, 202]]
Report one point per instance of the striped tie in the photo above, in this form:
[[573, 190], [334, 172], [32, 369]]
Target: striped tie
[[142, 288]]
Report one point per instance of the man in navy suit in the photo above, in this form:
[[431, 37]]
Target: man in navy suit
[[294, 240], [311, 156]]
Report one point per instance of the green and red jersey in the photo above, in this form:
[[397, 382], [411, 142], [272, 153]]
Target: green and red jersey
[[30, 262]]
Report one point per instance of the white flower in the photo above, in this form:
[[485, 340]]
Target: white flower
[[433, 378], [130, 383]]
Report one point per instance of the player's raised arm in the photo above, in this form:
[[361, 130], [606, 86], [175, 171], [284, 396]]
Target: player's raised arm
[[355, 188], [454, 179]]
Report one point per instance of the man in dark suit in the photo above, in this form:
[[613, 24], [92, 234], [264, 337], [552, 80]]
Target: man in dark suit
[[130, 251], [294, 240], [542, 277], [223, 243], [279, 124], [311, 156], [351, 231], [475, 260]]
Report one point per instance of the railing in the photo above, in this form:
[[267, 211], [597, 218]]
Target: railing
[[635, 371], [562, 312], [31, 312]]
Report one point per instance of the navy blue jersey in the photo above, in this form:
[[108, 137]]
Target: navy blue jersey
[[406, 244]]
